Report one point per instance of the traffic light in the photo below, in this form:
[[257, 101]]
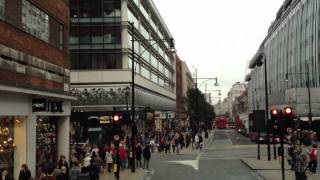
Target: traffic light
[[274, 118], [116, 118], [287, 120]]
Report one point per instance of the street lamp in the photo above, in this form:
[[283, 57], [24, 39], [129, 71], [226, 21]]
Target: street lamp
[[263, 56], [308, 87], [206, 80], [133, 123]]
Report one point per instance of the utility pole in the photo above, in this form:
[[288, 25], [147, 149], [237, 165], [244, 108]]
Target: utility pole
[[133, 123], [267, 106]]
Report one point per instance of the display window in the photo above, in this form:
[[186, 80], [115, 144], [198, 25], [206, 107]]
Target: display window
[[10, 129], [46, 142]]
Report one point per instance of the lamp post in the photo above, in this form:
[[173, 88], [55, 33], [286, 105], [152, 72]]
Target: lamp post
[[264, 57], [309, 91], [133, 123]]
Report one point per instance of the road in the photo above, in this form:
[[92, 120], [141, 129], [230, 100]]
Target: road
[[221, 160]]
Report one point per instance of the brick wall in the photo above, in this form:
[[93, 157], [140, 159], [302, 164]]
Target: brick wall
[[28, 81], [17, 39]]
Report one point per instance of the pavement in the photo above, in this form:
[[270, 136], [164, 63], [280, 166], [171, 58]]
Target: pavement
[[141, 174], [126, 175], [271, 170]]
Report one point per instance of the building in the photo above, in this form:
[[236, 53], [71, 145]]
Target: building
[[35, 102], [100, 49], [292, 57], [227, 106], [184, 82]]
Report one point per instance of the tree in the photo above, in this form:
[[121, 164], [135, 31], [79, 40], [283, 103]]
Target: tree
[[199, 110]]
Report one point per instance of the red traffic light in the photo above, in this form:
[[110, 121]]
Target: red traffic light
[[116, 117], [288, 110], [274, 112]]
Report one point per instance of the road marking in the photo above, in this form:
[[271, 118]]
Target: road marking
[[192, 163]]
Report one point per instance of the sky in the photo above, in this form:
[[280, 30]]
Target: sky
[[218, 37]]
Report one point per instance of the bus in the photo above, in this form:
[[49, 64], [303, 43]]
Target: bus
[[221, 122]]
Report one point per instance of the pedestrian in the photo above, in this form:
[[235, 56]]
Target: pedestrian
[[109, 159], [173, 144], [84, 175], [93, 170], [5, 175], [300, 163], [48, 175], [63, 162], [123, 156], [25, 173], [138, 155], [75, 171], [63, 174], [146, 156], [86, 160], [196, 140], [313, 159]]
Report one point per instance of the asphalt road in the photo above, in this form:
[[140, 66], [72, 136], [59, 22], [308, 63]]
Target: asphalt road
[[219, 160]]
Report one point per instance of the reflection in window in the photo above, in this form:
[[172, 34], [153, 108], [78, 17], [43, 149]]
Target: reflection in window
[[144, 32], [154, 78], [154, 62], [145, 72], [2, 8], [133, 18], [96, 61], [35, 21]]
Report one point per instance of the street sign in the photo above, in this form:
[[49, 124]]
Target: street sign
[[116, 137]]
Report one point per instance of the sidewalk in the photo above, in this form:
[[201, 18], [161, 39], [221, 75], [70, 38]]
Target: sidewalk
[[271, 170], [126, 175]]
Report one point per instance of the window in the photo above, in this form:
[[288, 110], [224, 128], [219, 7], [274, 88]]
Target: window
[[145, 72], [96, 61], [154, 62], [154, 78], [61, 37], [35, 21], [2, 8], [144, 32]]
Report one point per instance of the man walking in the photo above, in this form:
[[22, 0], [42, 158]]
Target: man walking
[[300, 163], [146, 156], [313, 159]]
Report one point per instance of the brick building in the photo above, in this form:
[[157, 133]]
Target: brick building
[[34, 83]]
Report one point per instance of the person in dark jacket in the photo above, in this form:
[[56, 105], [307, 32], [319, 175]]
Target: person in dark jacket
[[63, 162], [93, 170], [138, 155], [63, 174], [24, 173], [146, 156]]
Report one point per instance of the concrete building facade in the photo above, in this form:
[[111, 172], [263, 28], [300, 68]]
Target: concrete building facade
[[291, 49], [100, 48]]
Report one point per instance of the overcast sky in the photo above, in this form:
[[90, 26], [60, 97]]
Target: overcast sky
[[218, 37]]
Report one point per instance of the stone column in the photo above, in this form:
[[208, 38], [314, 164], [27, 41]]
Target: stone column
[[63, 133]]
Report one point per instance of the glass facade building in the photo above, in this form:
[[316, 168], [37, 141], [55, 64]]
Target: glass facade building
[[291, 47], [101, 54]]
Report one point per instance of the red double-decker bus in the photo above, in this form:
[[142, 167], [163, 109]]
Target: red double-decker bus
[[221, 122]]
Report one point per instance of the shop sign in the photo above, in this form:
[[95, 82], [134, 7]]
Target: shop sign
[[44, 105], [39, 105]]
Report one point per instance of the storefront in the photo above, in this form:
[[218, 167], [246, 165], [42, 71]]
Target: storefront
[[33, 130]]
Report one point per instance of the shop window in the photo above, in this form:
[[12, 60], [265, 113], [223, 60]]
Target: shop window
[[46, 141], [2, 8], [12, 143], [35, 21]]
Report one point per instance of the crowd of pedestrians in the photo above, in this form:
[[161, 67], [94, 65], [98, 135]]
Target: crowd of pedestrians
[[302, 153]]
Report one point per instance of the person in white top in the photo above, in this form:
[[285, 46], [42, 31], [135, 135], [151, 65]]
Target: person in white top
[[86, 160], [196, 139]]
